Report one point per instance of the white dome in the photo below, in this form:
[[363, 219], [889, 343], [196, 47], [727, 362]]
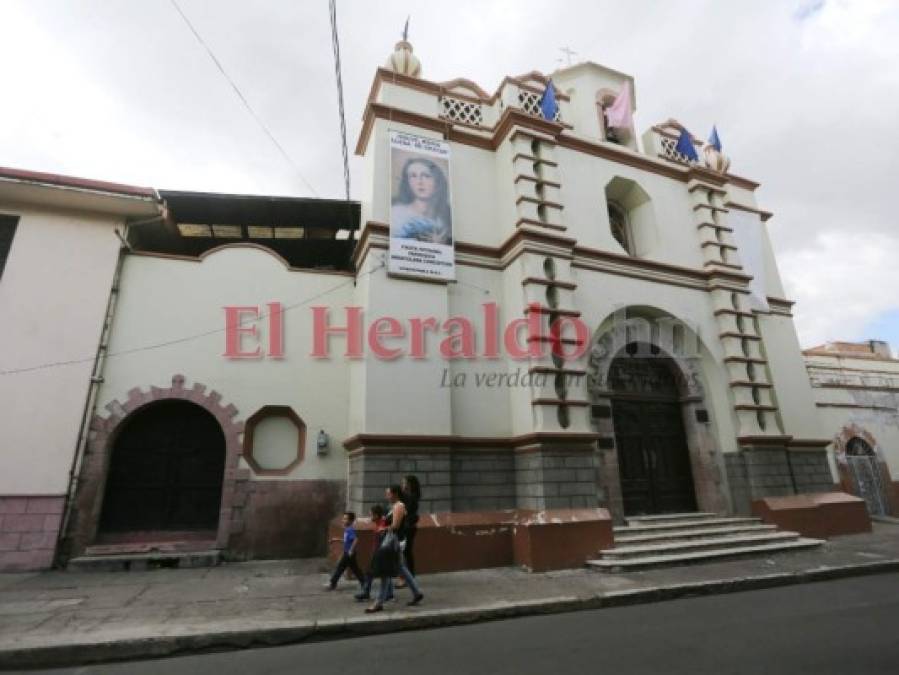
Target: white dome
[[403, 61]]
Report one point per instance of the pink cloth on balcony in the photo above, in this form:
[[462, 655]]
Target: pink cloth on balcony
[[620, 114]]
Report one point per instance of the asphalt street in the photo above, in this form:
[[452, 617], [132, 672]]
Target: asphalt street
[[845, 626]]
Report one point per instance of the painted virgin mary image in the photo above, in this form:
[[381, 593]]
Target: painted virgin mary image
[[420, 208]]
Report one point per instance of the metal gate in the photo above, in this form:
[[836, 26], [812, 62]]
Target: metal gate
[[166, 471], [866, 475]]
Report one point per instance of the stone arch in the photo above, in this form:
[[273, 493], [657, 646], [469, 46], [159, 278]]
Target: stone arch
[[847, 482], [635, 324], [84, 522]]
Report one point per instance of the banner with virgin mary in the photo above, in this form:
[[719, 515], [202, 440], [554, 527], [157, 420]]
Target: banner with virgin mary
[[421, 222]]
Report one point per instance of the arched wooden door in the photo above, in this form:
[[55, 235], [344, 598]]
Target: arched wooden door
[[653, 456], [166, 471]]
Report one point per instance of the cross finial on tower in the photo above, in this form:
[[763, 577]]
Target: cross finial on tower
[[406, 30], [568, 53]]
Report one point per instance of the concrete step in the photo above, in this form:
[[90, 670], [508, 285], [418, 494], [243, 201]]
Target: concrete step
[[664, 517], [144, 561], [683, 525], [622, 537], [703, 556], [702, 544]]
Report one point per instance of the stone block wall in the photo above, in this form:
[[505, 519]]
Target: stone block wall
[[474, 480], [757, 472], [29, 527], [482, 481], [370, 474], [811, 471], [735, 467], [555, 480]]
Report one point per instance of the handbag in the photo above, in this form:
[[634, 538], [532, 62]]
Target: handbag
[[390, 541]]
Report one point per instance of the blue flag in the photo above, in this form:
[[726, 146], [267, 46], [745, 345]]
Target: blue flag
[[714, 141], [548, 105], [685, 146]]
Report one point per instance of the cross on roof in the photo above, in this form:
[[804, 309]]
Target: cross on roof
[[568, 53]]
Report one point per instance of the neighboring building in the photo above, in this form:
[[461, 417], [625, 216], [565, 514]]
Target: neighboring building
[[690, 392], [59, 257], [856, 388], [189, 447]]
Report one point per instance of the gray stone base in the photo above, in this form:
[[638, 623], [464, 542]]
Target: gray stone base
[[483, 481], [541, 475], [774, 471], [555, 479], [812, 470], [370, 475]]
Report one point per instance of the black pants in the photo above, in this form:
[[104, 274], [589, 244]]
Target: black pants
[[347, 560], [409, 553]]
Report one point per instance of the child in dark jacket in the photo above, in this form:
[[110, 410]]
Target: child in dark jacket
[[348, 559], [380, 524]]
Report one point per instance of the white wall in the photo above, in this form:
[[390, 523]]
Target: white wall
[[791, 386], [870, 401], [53, 297], [164, 299]]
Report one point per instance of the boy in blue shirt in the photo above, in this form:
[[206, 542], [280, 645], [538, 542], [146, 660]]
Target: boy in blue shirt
[[348, 559]]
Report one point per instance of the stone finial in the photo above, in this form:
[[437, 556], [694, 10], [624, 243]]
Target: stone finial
[[714, 159], [403, 61]]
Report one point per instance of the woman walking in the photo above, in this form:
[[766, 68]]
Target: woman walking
[[411, 497], [388, 559]]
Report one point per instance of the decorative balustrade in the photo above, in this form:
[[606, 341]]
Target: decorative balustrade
[[668, 147], [460, 110], [529, 102]]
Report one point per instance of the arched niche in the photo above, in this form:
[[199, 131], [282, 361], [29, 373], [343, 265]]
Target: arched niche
[[625, 197]]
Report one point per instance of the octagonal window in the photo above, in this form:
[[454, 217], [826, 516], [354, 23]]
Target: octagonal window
[[274, 440]]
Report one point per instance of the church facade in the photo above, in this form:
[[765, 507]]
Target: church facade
[[691, 393], [585, 321]]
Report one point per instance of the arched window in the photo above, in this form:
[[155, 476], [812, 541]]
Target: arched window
[[865, 475], [604, 99], [631, 217], [618, 223], [858, 447]]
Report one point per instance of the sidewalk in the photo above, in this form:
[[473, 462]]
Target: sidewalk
[[62, 618]]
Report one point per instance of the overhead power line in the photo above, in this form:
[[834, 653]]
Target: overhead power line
[[335, 43], [194, 336], [246, 103]]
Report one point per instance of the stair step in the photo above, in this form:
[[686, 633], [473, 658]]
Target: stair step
[[661, 517], [702, 556], [680, 525], [143, 561], [679, 535], [696, 545]]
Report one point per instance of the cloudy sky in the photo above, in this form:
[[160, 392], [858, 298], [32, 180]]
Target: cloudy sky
[[805, 94]]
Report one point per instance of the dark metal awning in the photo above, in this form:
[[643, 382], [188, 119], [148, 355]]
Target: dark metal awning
[[224, 209], [309, 233]]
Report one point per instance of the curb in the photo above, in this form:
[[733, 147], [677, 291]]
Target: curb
[[308, 631]]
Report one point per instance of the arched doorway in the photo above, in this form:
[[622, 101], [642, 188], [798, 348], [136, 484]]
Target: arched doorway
[[165, 472], [653, 455], [863, 469]]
